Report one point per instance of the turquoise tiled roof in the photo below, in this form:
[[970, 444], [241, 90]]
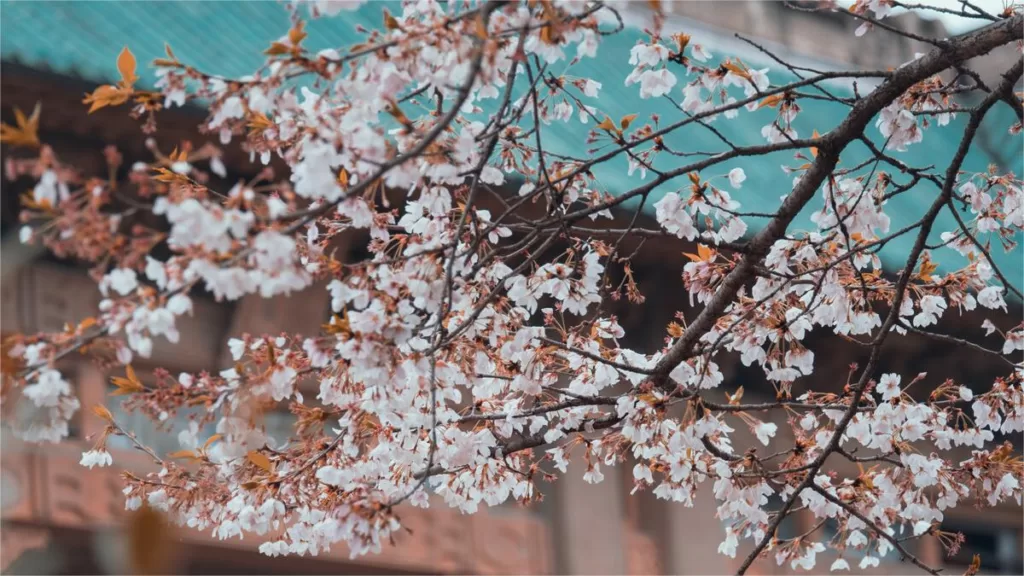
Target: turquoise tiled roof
[[83, 38]]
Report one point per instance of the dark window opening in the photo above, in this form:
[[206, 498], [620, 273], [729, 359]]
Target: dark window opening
[[999, 547]]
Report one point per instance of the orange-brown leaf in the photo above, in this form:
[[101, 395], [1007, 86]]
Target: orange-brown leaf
[[675, 330], [130, 372], [277, 49], [627, 120], [737, 70], [927, 267], [211, 440], [399, 115], [297, 34], [101, 411], [121, 392], [183, 454], [974, 567], [107, 96], [26, 131], [128, 385], [480, 26], [271, 355], [169, 176], [87, 323], [607, 125], [704, 254], [259, 122], [734, 399], [771, 101], [389, 21], [682, 41], [260, 461], [648, 398], [126, 66]]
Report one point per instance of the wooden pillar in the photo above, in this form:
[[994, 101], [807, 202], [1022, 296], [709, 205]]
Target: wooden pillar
[[91, 388], [930, 551], [694, 536], [590, 536]]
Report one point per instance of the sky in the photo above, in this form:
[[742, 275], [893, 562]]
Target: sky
[[955, 24]]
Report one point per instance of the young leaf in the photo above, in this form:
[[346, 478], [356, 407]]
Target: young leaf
[[183, 454], [107, 96], [607, 125], [675, 330], [277, 49], [101, 411], [210, 441], [128, 385], [734, 399], [390, 22], [737, 70], [297, 34], [130, 372], [771, 101], [126, 66], [814, 149], [927, 267], [682, 40], [704, 254], [26, 132], [260, 461]]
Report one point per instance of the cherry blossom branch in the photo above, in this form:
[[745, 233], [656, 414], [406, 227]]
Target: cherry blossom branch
[[904, 554], [995, 268], [928, 65], [531, 441], [594, 357], [977, 13], [543, 409], [957, 341], [829, 147]]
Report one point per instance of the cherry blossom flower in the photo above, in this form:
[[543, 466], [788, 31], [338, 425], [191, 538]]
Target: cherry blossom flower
[[96, 458], [653, 83], [889, 386], [736, 177]]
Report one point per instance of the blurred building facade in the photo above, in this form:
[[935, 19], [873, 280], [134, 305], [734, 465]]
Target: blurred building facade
[[61, 518]]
